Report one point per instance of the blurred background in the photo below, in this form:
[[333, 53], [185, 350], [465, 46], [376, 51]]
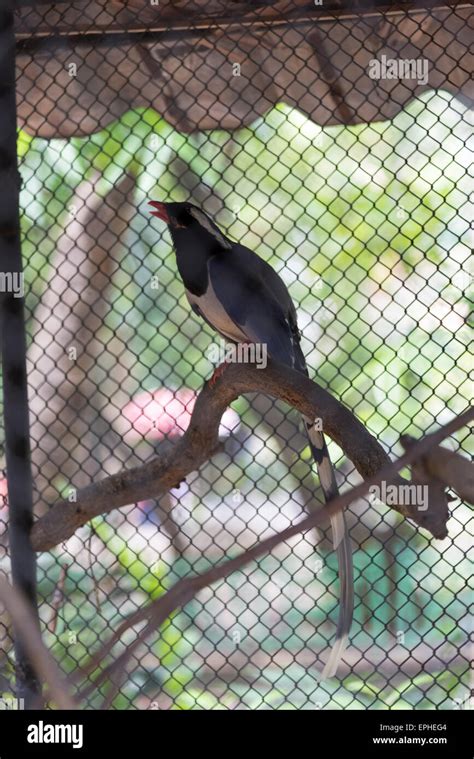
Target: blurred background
[[368, 226]]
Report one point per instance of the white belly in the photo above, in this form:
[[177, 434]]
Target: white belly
[[211, 308]]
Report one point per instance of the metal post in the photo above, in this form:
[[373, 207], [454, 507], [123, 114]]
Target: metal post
[[13, 350]]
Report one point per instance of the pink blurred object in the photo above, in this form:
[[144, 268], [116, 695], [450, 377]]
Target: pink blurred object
[[164, 414], [167, 413]]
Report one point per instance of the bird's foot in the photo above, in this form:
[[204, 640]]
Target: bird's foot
[[217, 373]]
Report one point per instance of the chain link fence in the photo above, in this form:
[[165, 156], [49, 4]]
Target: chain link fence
[[367, 224]]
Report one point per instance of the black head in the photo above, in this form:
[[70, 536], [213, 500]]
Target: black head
[[186, 220]]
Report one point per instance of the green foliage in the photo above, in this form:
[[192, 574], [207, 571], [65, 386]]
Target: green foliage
[[141, 576]]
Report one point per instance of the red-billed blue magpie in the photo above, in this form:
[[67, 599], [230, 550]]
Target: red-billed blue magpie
[[243, 299]]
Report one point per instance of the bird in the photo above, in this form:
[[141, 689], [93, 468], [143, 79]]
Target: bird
[[242, 298]]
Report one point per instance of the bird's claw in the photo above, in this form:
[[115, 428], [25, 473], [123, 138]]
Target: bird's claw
[[217, 374]]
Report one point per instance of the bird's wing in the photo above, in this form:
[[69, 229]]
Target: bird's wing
[[277, 291], [249, 301]]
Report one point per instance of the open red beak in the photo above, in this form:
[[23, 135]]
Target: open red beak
[[160, 212]]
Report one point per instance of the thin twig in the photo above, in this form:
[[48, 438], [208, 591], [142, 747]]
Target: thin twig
[[27, 630], [58, 597]]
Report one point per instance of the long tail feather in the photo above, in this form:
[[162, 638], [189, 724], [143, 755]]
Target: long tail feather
[[342, 546]]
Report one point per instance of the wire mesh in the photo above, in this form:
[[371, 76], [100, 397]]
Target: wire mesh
[[368, 226]]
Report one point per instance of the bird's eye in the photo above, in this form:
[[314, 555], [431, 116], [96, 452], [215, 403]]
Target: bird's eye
[[184, 218]]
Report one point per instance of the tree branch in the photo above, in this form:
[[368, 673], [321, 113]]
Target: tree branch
[[450, 468], [201, 440]]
